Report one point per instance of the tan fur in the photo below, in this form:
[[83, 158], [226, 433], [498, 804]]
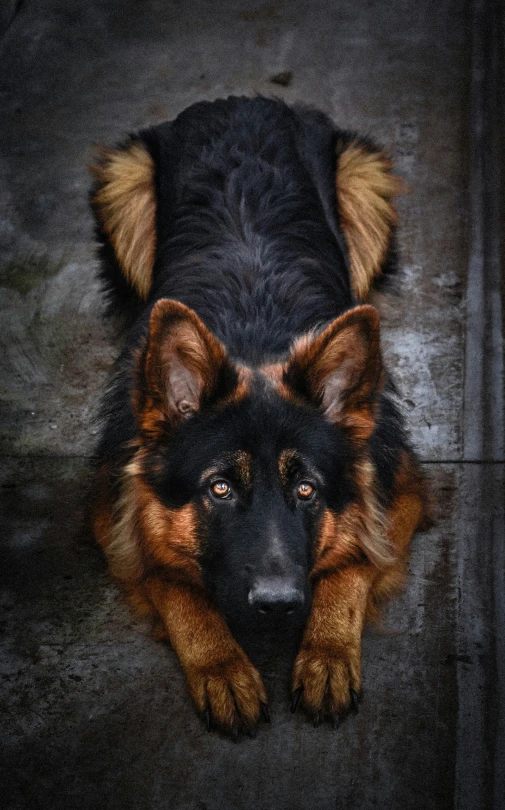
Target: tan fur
[[410, 511], [365, 188], [179, 362], [328, 664], [285, 462], [241, 461], [273, 374], [219, 675], [125, 201], [138, 532], [343, 366], [122, 549], [358, 530], [243, 465], [115, 526]]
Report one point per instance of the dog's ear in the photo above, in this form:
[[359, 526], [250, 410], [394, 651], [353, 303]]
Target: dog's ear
[[365, 189], [182, 367], [340, 371], [124, 202]]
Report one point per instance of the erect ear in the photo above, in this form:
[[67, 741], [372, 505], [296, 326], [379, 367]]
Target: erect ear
[[340, 371], [182, 367], [124, 202], [365, 189]]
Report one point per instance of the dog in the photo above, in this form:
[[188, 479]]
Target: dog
[[253, 467]]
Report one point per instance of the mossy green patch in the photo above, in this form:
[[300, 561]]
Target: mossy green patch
[[26, 273]]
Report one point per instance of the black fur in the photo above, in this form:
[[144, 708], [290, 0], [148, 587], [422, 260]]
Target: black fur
[[248, 237]]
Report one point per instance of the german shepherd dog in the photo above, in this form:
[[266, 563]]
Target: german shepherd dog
[[253, 467]]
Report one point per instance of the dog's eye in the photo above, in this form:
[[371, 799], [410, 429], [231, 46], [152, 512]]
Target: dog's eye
[[221, 489], [305, 490]]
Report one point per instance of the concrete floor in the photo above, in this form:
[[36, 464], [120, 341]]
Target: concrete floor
[[95, 713]]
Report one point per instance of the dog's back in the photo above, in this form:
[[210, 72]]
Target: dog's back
[[246, 226], [242, 225]]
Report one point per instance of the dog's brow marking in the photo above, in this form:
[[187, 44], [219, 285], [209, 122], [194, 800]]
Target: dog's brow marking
[[208, 473], [287, 457], [284, 461], [241, 463]]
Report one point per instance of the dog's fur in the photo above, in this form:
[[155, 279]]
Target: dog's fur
[[252, 461]]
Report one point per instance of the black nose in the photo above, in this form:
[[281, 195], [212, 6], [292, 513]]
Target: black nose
[[275, 595]]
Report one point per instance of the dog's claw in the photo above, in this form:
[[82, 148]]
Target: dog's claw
[[234, 734], [316, 720], [336, 721], [296, 699], [208, 719], [265, 712], [253, 733], [354, 699]]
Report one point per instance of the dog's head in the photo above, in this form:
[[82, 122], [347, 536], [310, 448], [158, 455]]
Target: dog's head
[[261, 475]]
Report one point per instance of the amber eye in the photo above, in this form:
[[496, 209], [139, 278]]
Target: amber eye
[[305, 490], [221, 489]]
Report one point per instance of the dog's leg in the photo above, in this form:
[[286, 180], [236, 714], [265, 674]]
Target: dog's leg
[[410, 511], [223, 683], [328, 665], [327, 671]]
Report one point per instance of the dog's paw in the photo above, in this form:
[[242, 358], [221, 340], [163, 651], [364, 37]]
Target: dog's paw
[[229, 694], [327, 681]]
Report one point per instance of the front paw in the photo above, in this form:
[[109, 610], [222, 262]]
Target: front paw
[[229, 693], [327, 680]]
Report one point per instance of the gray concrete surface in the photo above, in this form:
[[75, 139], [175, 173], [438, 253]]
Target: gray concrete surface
[[94, 712]]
